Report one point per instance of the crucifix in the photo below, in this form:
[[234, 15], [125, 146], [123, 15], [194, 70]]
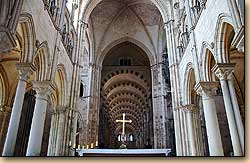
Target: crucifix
[[123, 126]]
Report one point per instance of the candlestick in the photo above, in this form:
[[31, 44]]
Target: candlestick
[[83, 147], [74, 146], [70, 143], [87, 147], [96, 143], [79, 147], [92, 145]]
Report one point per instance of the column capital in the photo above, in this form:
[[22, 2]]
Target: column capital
[[25, 69], [191, 108], [206, 89], [223, 70], [94, 66], [71, 111], [42, 88], [169, 21], [4, 108], [84, 24], [60, 109]]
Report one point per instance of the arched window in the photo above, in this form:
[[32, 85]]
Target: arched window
[[119, 137], [81, 90], [125, 61], [131, 137]]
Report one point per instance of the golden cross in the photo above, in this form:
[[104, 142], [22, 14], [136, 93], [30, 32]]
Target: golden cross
[[123, 125]]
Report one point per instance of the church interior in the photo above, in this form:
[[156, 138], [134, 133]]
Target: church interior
[[140, 75]]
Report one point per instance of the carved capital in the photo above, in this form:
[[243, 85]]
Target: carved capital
[[206, 89], [60, 109], [191, 108], [168, 23], [42, 88], [223, 70], [25, 69], [5, 109], [72, 112]]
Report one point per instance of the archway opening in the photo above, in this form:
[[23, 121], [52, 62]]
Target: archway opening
[[125, 88]]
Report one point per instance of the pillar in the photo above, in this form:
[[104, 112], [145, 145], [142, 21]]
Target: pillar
[[60, 131], [72, 127], [37, 126], [197, 131], [25, 69], [236, 109], [183, 134], [4, 113], [191, 131], [222, 71], [207, 91], [52, 135]]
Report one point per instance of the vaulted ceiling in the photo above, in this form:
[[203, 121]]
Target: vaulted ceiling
[[126, 89], [115, 19]]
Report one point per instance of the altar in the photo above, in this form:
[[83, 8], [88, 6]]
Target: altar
[[124, 152]]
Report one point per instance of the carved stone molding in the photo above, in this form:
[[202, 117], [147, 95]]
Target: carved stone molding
[[191, 108], [206, 89], [223, 70], [60, 109], [42, 88], [5, 109], [25, 69]]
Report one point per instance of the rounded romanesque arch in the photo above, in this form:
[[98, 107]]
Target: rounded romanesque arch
[[188, 86], [224, 32], [61, 85], [207, 65], [41, 62], [29, 37]]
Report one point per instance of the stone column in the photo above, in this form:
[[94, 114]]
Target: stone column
[[25, 70], [186, 134], [236, 109], [37, 126], [183, 134], [207, 90], [222, 71], [52, 134], [197, 131], [4, 113], [73, 115], [191, 131], [60, 131]]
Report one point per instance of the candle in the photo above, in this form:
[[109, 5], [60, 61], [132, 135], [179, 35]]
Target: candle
[[74, 146], [92, 145], [87, 146], [70, 143], [96, 143], [79, 146], [83, 147]]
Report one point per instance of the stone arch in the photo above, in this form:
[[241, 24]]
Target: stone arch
[[61, 85], [90, 6], [41, 61], [189, 82], [208, 62], [9, 12], [28, 27], [221, 30], [150, 56], [205, 48], [3, 86]]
